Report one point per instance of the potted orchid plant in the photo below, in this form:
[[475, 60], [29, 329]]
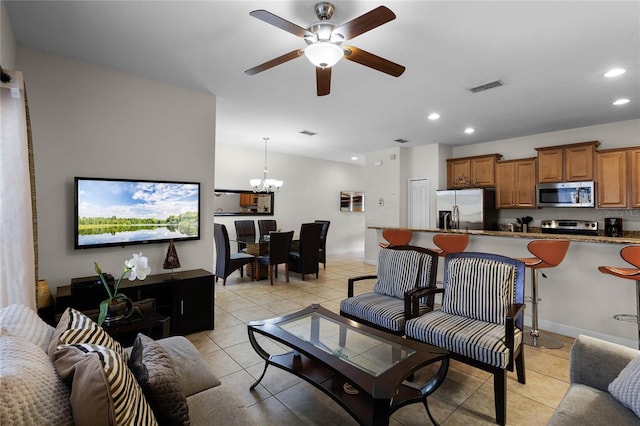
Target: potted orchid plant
[[138, 268]]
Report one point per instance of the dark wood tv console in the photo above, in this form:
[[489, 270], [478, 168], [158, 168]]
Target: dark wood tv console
[[186, 296]]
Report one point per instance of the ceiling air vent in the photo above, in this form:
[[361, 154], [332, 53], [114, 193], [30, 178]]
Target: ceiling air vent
[[486, 86], [400, 140], [308, 133]]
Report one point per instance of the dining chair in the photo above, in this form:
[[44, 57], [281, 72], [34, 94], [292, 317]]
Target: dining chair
[[227, 262], [305, 259], [244, 229], [322, 254], [279, 246], [266, 225]]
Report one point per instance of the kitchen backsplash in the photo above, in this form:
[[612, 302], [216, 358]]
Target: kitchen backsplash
[[630, 217]]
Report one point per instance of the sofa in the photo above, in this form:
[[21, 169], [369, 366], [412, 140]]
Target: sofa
[[44, 380], [594, 365]]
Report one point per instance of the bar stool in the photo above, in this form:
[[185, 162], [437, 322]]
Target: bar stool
[[549, 254], [631, 254], [450, 243], [396, 237]]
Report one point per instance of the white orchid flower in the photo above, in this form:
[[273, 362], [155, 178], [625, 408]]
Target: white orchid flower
[[138, 266]]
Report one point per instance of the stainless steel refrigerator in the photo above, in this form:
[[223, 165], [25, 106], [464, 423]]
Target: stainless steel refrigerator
[[467, 209]]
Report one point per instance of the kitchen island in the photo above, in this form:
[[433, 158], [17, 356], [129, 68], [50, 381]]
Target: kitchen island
[[575, 297]]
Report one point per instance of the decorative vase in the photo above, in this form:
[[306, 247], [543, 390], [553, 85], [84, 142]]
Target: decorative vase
[[115, 311]]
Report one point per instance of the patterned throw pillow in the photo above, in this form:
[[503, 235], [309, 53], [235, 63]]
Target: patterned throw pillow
[[397, 272], [76, 327], [478, 288], [103, 389], [626, 387], [154, 370]]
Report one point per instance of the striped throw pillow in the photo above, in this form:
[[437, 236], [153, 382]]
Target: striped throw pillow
[[397, 272], [103, 389], [76, 327], [477, 288]]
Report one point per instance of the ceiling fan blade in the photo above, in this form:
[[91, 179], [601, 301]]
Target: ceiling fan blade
[[276, 61], [323, 81], [372, 61], [279, 22], [363, 23]]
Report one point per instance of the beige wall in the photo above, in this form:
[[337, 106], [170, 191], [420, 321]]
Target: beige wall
[[7, 40], [311, 191], [96, 122]]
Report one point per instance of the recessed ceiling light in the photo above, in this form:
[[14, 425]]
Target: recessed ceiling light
[[433, 116], [469, 130], [621, 101], [354, 158], [615, 72]]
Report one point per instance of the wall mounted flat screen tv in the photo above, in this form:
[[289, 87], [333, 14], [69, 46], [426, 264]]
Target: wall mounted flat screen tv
[[119, 212]]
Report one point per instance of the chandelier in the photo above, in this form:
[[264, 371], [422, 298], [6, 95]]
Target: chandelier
[[265, 184]]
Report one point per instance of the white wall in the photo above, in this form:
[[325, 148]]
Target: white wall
[[96, 122], [7, 40], [311, 191]]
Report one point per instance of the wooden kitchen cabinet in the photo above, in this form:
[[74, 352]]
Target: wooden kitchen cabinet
[[516, 183], [247, 200], [618, 178], [567, 163], [476, 172], [634, 176]]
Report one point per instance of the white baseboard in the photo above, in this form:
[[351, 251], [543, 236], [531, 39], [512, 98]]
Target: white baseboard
[[570, 331]]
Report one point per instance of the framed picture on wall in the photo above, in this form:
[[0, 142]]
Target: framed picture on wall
[[351, 201]]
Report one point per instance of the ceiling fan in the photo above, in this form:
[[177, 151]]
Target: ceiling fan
[[324, 43]]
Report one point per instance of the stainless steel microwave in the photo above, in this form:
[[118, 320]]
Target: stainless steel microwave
[[566, 194]]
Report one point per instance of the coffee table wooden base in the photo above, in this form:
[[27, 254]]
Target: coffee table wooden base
[[373, 407]]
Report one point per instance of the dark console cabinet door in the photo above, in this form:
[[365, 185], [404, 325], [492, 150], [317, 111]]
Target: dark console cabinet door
[[193, 307], [186, 296]]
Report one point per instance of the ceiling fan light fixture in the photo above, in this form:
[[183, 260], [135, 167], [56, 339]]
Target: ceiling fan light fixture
[[323, 54]]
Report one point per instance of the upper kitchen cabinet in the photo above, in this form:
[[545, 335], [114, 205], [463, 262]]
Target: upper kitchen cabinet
[[474, 172], [516, 184], [567, 163], [618, 178]]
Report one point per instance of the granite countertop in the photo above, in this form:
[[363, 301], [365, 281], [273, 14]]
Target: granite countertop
[[629, 237]]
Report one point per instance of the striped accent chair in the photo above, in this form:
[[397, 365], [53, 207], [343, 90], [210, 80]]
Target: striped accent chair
[[402, 270], [481, 318]]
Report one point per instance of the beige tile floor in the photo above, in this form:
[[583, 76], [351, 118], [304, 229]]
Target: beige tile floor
[[465, 398]]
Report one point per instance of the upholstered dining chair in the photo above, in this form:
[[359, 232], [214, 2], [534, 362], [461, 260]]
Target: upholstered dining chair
[[481, 318], [244, 229], [279, 246], [322, 254], [227, 262], [266, 225], [396, 237], [305, 259], [402, 270]]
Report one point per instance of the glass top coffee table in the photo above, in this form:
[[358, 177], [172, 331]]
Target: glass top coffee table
[[359, 367]]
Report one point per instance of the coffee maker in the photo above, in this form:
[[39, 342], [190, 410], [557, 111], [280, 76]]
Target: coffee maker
[[613, 227]]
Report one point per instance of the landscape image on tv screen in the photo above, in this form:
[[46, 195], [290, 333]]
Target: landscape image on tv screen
[[113, 212]]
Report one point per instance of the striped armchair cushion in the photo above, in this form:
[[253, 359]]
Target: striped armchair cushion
[[384, 311], [481, 289], [479, 340], [426, 270], [397, 272]]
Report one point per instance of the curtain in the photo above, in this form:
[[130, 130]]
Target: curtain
[[17, 250]]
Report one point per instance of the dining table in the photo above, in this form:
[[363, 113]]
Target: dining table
[[259, 246]]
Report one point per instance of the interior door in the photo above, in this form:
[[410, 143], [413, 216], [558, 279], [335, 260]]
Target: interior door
[[419, 204]]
